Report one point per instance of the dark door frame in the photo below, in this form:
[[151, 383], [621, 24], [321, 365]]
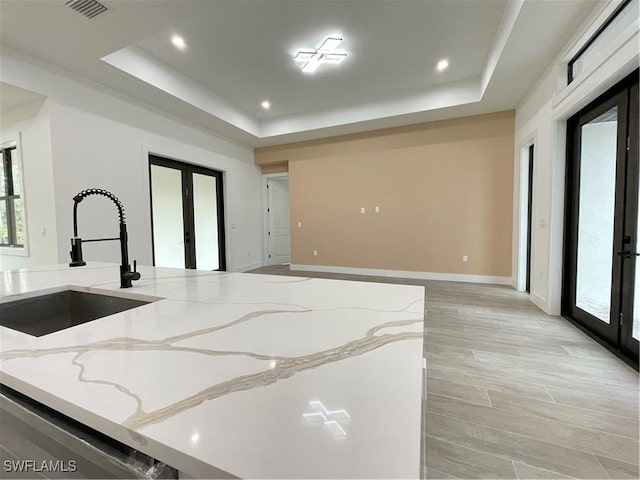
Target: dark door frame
[[631, 228], [616, 335], [187, 170], [529, 217]]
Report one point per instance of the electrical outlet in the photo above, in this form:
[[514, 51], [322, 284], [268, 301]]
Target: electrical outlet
[[465, 259], [362, 210], [377, 209], [299, 224], [315, 253]]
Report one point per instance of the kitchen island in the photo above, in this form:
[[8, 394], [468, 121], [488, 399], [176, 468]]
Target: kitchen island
[[233, 374]]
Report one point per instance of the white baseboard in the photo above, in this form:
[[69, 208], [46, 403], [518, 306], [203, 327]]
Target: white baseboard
[[539, 301], [247, 267], [449, 277]]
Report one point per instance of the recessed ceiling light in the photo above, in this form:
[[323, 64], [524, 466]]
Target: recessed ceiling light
[[178, 42], [326, 53], [442, 65], [266, 105]]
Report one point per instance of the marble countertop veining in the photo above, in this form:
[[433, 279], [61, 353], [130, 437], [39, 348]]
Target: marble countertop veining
[[253, 376]]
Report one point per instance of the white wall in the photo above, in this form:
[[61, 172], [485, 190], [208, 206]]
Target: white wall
[[29, 127], [541, 117], [99, 139]]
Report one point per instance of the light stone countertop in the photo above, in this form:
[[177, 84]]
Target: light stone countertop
[[234, 374]]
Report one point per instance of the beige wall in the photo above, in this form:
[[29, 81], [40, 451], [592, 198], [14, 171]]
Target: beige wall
[[444, 190], [275, 168]]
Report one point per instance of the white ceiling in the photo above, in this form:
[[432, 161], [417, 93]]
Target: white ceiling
[[241, 52], [12, 98]]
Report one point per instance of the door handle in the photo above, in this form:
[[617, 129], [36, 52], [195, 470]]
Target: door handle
[[628, 254]]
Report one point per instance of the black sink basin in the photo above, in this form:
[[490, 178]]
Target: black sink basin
[[57, 311]]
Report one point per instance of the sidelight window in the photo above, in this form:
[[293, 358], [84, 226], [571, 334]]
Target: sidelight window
[[12, 223]]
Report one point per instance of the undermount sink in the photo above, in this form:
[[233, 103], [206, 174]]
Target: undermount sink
[[53, 312]]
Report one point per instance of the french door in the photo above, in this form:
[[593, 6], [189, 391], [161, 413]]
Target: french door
[[187, 215], [601, 288]]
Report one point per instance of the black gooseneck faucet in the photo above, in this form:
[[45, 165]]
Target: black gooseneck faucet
[[126, 275]]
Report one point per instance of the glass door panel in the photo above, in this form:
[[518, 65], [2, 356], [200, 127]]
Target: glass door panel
[[167, 217], [187, 212], [601, 284], [635, 328], [597, 194], [205, 219]]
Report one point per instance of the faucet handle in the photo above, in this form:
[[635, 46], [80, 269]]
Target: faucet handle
[[134, 275]]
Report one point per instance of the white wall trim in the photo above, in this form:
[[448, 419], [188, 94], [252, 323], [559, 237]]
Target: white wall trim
[[449, 277], [522, 204], [540, 302], [246, 267]]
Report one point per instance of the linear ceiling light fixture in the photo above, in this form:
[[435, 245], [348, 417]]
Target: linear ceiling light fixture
[[326, 53]]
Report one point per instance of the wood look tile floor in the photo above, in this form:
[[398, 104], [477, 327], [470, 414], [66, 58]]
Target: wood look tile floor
[[515, 393]]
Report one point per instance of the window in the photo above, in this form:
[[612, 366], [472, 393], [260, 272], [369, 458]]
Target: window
[[625, 15], [11, 201]]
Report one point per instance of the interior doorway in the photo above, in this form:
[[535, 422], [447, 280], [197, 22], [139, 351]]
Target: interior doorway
[[187, 215], [601, 285], [529, 216], [278, 232], [525, 271]]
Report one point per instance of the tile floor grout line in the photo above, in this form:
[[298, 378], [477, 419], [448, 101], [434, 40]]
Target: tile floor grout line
[[611, 359], [492, 375], [579, 409], [545, 469], [443, 471], [515, 469], [543, 369], [564, 422], [500, 456], [602, 466], [503, 457], [456, 398], [600, 396], [525, 436], [486, 390], [551, 396], [488, 379]]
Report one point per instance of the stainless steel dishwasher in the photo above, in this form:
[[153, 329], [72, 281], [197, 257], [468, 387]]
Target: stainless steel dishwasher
[[38, 442]]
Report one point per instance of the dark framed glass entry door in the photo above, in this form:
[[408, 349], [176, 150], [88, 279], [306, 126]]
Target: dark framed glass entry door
[[601, 287], [187, 215]]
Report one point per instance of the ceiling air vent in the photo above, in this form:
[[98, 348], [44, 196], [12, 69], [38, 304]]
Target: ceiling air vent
[[88, 8]]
